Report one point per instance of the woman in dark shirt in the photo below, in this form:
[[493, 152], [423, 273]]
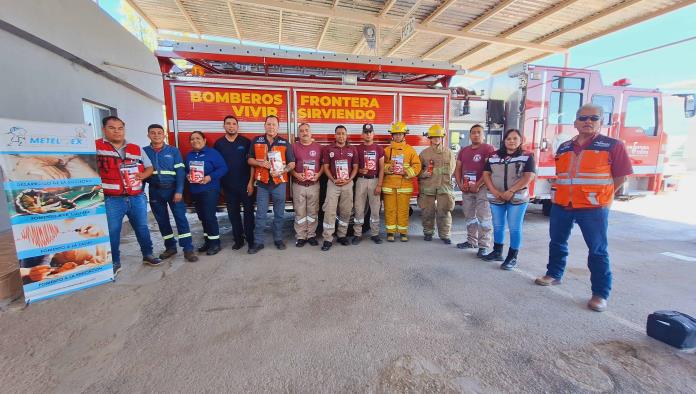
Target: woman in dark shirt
[[507, 174], [204, 168]]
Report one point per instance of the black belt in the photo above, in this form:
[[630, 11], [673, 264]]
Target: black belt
[[306, 184], [367, 176]]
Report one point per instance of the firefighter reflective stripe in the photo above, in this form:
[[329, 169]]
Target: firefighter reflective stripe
[[594, 174], [410, 172], [470, 222], [404, 190], [213, 237], [184, 235], [308, 219], [402, 227], [374, 220], [392, 227], [164, 172], [388, 190], [132, 156], [359, 221], [179, 165], [580, 181], [327, 225], [110, 186], [168, 236], [341, 222], [592, 197], [104, 152]]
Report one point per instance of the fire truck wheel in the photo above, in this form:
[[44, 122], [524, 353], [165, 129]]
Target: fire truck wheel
[[546, 207]]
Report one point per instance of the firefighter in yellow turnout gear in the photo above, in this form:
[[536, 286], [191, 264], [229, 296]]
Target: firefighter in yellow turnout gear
[[435, 192], [401, 165]]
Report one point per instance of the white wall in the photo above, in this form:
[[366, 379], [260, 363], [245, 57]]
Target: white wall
[[38, 82]]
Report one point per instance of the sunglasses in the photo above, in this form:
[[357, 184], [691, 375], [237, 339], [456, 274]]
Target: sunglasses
[[593, 118]]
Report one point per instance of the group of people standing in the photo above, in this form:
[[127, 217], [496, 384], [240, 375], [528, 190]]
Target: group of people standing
[[494, 185]]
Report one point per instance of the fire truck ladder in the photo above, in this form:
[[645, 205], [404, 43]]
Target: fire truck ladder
[[216, 61]]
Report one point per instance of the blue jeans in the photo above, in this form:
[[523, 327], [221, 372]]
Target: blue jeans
[[206, 207], [159, 200], [236, 197], [135, 207], [593, 225], [263, 194], [514, 215]]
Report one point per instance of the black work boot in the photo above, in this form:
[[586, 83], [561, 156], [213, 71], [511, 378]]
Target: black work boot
[[510, 261], [496, 254]]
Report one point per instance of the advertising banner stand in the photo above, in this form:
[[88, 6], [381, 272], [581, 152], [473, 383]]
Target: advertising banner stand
[[56, 207]]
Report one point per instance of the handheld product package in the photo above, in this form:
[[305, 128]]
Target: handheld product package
[[398, 164], [196, 171], [276, 160], [308, 169], [371, 160], [342, 172]]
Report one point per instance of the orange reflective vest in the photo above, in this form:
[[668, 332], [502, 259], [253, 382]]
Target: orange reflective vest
[[279, 147], [118, 173], [584, 180]]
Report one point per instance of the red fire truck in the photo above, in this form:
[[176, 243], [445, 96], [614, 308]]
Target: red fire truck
[[326, 89], [542, 101], [322, 89]]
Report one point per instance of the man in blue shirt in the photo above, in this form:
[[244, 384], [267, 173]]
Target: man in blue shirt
[[166, 188], [238, 182]]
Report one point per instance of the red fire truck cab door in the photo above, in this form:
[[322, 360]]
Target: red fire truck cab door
[[565, 93], [641, 129]]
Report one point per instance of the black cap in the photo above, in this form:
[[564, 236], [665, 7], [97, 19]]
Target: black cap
[[367, 128]]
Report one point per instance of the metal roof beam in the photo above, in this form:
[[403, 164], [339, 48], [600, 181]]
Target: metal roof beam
[[578, 24], [280, 27], [436, 48], [387, 6], [400, 44], [323, 33], [488, 15], [142, 14], [326, 26], [472, 25], [634, 21], [187, 16], [234, 22], [391, 22], [442, 8], [529, 22], [403, 42]]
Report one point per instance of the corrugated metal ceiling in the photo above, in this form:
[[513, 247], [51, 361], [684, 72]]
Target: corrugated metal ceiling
[[485, 35]]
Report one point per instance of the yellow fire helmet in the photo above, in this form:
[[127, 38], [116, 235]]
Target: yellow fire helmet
[[398, 128], [436, 131]]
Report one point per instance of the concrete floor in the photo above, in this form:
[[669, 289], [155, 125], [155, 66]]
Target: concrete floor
[[413, 317]]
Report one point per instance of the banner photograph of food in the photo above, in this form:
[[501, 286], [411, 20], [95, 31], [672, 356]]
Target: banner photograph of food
[[24, 167], [33, 239], [64, 265], [52, 201]]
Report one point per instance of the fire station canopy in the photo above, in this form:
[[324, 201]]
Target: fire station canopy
[[485, 35]]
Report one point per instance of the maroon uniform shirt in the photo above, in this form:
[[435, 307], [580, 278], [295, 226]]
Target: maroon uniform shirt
[[373, 151], [333, 153]]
